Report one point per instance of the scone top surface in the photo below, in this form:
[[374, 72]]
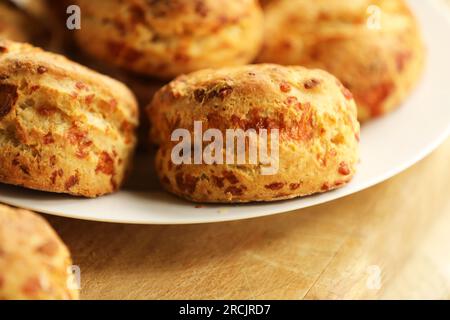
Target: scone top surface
[[169, 38], [314, 113], [34, 262], [373, 46], [63, 127]]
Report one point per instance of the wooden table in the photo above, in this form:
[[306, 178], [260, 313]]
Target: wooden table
[[390, 241]]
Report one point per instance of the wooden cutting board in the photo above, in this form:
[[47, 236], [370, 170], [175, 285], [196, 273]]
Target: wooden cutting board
[[390, 241]]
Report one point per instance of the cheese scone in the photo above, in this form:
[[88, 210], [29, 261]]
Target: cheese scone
[[34, 262], [305, 121], [373, 46], [169, 38], [63, 127]]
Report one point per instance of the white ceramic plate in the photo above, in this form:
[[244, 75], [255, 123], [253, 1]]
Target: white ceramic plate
[[388, 146]]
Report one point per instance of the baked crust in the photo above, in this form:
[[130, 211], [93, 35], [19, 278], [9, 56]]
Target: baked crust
[[315, 113], [379, 65], [143, 87], [34, 262], [169, 38], [63, 127]]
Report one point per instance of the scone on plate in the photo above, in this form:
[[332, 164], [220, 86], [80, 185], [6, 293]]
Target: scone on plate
[[373, 46], [169, 38], [305, 122], [143, 87], [63, 127], [34, 262]]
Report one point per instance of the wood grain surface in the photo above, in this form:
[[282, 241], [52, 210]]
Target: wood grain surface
[[390, 241]]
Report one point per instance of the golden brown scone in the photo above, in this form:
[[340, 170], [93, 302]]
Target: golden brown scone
[[14, 24], [143, 87], [63, 127], [373, 46], [314, 112], [34, 262], [168, 38]]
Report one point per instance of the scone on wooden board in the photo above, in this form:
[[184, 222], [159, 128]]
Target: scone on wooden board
[[63, 127], [314, 113], [34, 262], [373, 46], [169, 38]]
